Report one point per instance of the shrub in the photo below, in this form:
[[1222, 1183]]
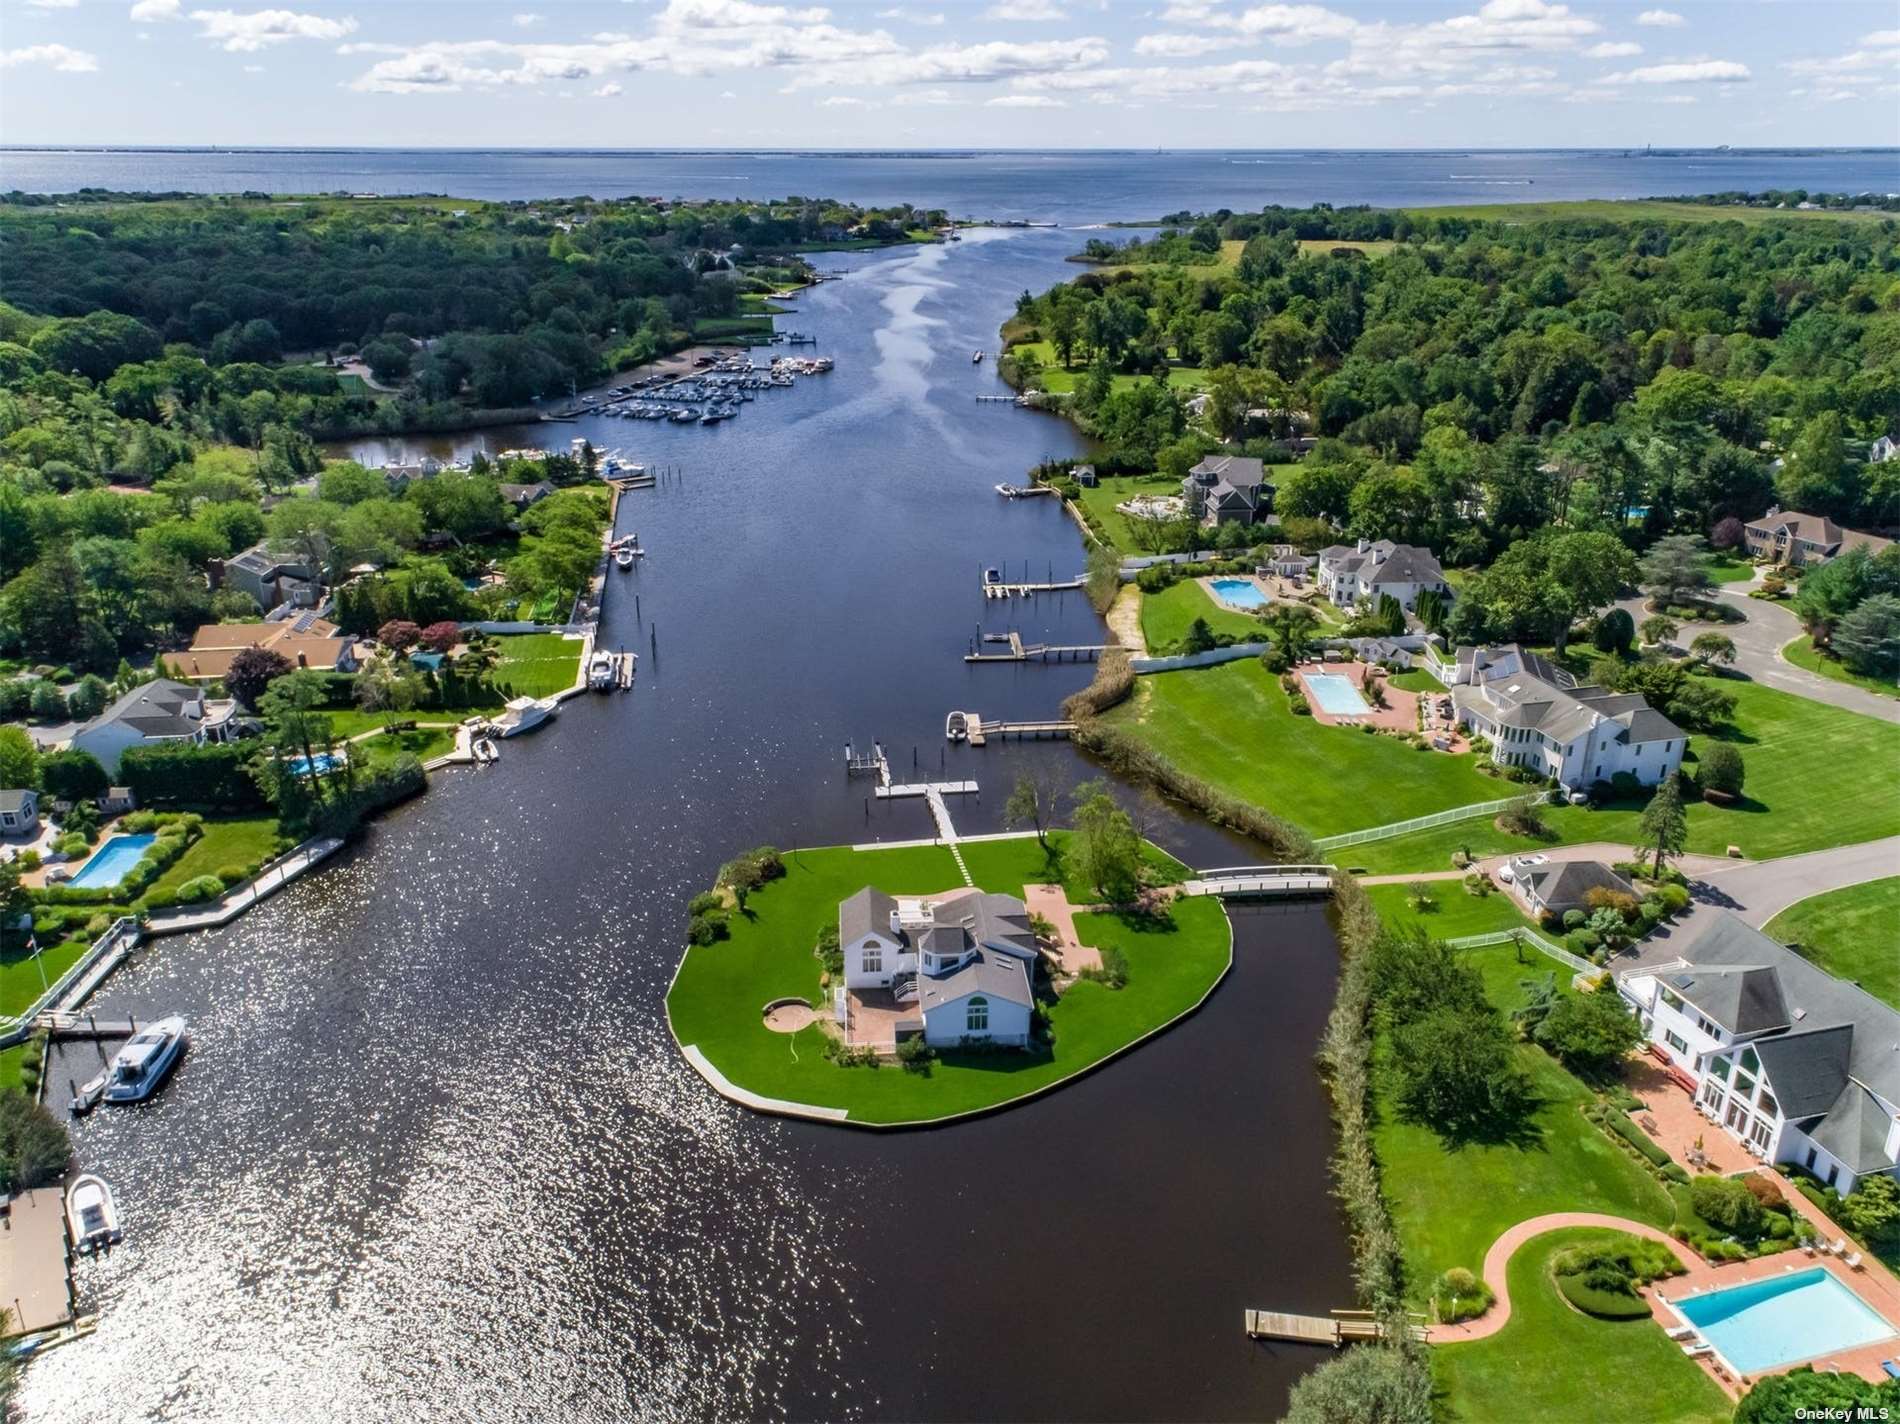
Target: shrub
[[1728, 1205], [1573, 919], [916, 1055], [1621, 1125], [72, 775], [1673, 898], [203, 887], [1873, 1210], [1113, 971], [180, 774], [1522, 817], [1458, 1294], [1602, 1293], [34, 1148], [231, 876]]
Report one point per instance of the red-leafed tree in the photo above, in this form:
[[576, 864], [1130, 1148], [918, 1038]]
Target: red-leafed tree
[[399, 635], [253, 670], [440, 637]]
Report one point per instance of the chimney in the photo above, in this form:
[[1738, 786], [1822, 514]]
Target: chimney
[[214, 573], [1364, 544]]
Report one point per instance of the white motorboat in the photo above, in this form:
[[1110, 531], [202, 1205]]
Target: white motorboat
[[484, 751], [140, 1066], [975, 357], [624, 555], [601, 672], [524, 714], [91, 1217]]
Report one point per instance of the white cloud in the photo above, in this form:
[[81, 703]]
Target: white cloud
[[1180, 46], [608, 91], [1882, 39], [529, 21], [1024, 101], [1295, 24], [1699, 71], [50, 56], [1661, 19], [1617, 49], [245, 32], [1880, 50], [1027, 11], [913, 17], [52, 4], [156, 10], [253, 69], [843, 101]]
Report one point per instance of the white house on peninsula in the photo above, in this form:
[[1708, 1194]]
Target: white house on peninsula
[[1796, 1065], [966, 959]]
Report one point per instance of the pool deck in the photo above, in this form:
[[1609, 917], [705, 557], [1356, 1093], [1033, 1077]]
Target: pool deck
[[1208, 581]]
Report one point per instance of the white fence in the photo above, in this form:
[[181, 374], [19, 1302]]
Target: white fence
[[14, 1028], [1232, 653], [1536, 942], [1420, 823]]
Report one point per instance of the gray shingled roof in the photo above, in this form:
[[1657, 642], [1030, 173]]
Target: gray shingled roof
[[1569, 882], [14, 800], [1240, 471], [154, 709], [1807, 1066], [1408, 563], [867, 912], [1855, 1130], [1000, 975], [1743, 998]]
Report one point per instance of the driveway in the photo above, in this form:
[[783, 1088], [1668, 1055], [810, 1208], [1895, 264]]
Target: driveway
[[1758, 643], [1759, 890]]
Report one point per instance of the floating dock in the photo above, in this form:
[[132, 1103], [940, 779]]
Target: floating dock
[[1023, 491], [1025, 590], [970, 727]]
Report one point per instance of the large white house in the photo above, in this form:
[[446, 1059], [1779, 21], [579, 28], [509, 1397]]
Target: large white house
[[966, 959], [1796, 1065], [1539, 716], [1353, 573], [156, 711]]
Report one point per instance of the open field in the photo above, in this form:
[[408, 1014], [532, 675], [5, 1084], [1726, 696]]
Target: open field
[[1852, 933], [1324, 246], [1231, 725], [720, 989], [1554, 1362], [1454, 912]]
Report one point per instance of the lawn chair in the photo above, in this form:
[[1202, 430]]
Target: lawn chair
[[1699, 1349], [1680, 1332], [1854, 1261], [1838, 1247], [1893, 1370]]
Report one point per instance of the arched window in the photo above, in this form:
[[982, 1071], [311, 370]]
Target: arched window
[[978, 1020]]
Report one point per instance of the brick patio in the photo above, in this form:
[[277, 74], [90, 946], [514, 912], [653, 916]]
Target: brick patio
[[1669, 1116]]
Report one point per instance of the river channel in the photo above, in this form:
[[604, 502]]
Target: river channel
[[433, 1155]]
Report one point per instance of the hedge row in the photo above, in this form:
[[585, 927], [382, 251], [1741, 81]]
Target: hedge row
[[180, 774], [176, 832]]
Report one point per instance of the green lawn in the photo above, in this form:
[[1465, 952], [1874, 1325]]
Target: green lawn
[[238, 841], [733, 328], [23, 980], [1726, 568], [532, 665], [1807, 767], [1009, 865], [423, 743], [1555, 1363], [1852, 933], [1059, 380], [716, 1000], [1099, 504], [1455, 912], [1451, 1202], [1416, 680], [1803, 654], [1165, 616], [1231, 725]]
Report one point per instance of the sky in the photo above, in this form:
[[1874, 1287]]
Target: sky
[[951, 73]]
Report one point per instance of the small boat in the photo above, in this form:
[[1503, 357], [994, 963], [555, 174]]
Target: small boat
[[90, 1215], [141, 1066], [86, 1097], [601, 672], [975, 357], [524, 714], [992, 576], [624, 556], [485, 752]]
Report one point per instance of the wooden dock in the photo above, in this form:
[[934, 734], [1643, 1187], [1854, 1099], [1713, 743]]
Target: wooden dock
[[1021, 652], [1342, 1327], [900, 790], [970, 727], [66, 1025], [1023, 491], [1026, 590]]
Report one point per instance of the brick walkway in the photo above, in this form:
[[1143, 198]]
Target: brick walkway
[[1052, 903]]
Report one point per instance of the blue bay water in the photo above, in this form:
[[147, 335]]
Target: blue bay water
[[1067, 186]]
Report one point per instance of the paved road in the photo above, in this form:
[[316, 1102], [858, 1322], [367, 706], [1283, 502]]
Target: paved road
[[1759, 890], [1758, 643]]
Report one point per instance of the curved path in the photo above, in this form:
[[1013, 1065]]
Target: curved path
[[1499, 1257]]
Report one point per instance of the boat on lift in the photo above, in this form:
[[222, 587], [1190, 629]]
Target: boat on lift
[[976, 357], [601, 672], [148, 1056]]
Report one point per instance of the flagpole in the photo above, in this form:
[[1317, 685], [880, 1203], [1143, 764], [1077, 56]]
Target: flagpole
[[33, 944]]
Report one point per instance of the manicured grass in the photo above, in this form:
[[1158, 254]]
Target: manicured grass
[[1807, 768], [1455, 913], [423, 743], [1726, 568], [1803, 654], [1231, 725], [716, 1001], [1636, 210], [733, 328], [1416, 680], [21, 983], [1450, 1202], [239, 841], [536, 664], [1009, 865], [1057, 379], [1166, 616], [1852, 933], [1099, 504], [1553, 1362]]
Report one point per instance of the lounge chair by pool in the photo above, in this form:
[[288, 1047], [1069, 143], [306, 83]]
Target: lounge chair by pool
[[1893, 1370], [1701, 1347], [1853, 1261]]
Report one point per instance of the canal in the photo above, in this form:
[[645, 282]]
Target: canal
[[432, 1153]]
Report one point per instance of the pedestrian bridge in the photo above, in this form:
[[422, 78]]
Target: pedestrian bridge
[[1261, 881]]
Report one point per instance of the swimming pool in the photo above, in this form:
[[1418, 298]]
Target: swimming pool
[[320, 763], [1336, 695], [1237, 592], [1778, 1321], [111, 863]]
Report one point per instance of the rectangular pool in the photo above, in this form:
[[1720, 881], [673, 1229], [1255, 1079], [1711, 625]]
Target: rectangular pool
[[1336, 695], [1238, 592], [1787, 1318], [111, 863], [320, 765]]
